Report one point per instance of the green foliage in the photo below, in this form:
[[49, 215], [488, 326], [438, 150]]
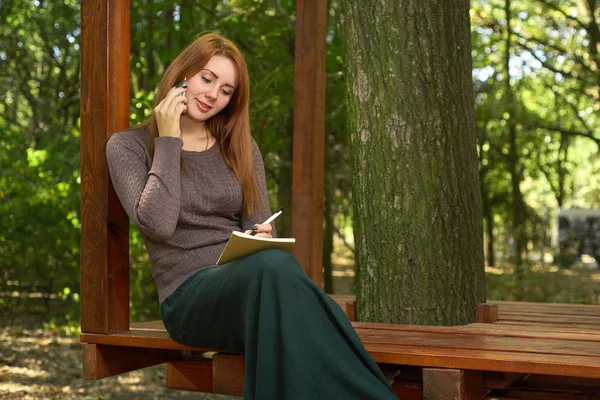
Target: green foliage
[[548, 284], [554, 76], [39, 177]]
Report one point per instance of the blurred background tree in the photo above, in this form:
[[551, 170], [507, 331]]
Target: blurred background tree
[[537, 89]]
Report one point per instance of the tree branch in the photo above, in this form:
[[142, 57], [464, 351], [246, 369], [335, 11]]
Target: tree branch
[[580, 60], [563, 12], [563, 131]]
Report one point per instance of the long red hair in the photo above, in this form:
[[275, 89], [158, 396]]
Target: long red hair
[[231, 126]]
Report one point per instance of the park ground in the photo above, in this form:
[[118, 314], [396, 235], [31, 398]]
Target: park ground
[[39, 361]]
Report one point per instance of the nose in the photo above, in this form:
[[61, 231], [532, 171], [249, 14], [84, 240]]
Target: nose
[[213, 94]]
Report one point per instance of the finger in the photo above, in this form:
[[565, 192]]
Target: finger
[[176, 101], [263, 235], [172, 93], [180, 108], [263, 228]]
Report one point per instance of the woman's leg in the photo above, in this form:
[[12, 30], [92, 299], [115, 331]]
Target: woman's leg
[[298, 343]]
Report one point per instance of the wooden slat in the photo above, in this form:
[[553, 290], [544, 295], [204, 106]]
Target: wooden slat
[[585, 367], [485, 343], [133, 338], [309, 136], [548, 308], [539, 332], [549, 319], [561, 318], [104, 110], [555, 325]]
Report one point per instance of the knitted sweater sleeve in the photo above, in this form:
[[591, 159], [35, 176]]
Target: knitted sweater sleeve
[[151, 198], [261, 181]]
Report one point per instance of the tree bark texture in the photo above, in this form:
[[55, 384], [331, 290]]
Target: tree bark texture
[[417, 200]]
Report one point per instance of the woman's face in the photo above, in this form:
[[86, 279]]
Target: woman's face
[[211, 89]]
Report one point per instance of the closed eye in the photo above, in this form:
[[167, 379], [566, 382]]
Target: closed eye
[[206, 80]]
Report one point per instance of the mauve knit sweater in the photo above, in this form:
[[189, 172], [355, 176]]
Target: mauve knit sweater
[[185, 217]]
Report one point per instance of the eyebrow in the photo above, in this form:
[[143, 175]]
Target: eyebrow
[[216, 77]]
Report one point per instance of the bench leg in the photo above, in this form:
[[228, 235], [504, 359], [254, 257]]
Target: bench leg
[[486, 313], [452, 384], [190, 375], [223, 374], [228, 373]]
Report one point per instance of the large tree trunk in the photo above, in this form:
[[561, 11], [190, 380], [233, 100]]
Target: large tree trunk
[[417, 201]]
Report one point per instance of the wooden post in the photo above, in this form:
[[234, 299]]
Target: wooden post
[[104, 110], [309, 136], [486, 313], [452, 384]]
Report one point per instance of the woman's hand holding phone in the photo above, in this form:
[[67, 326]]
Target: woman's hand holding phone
[[169, 110]]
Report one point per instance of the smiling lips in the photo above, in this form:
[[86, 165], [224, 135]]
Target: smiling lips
[[203, 106]]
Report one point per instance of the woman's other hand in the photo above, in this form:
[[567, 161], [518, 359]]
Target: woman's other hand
[[168, 112], [263, 230]]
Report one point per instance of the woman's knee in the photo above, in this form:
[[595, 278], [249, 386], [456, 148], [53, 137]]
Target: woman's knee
[[272, 262]]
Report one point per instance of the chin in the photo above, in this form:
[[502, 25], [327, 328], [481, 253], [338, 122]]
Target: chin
[[198, 117]]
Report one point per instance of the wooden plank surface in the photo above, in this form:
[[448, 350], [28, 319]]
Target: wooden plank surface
[[552, 319], [426, 352], [309, 136], [533, 346], [441, 347], [548, 309], [518, 308], [472, 329], [479, 342], [104, 110], [563, 365], [533, 331]]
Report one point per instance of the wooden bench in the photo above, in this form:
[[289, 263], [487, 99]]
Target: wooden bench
[[532, 350]]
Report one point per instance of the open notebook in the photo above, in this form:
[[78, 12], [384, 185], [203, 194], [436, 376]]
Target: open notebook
[[241, 244]]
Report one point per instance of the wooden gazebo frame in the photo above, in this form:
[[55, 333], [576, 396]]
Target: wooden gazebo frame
[[105, 70], [550, 344]]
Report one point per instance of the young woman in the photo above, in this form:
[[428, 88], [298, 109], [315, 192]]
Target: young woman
[[189, 177]]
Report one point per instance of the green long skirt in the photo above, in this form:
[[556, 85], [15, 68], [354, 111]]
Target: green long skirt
[[297, 342]]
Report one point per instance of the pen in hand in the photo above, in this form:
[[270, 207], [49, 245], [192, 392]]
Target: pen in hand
[[268, 221]]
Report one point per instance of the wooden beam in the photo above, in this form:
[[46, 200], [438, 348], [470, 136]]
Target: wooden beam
[[309, 136], [223, 374], [100, 361], [104, 110], [228, 374], [452, 384], [190, 375]]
